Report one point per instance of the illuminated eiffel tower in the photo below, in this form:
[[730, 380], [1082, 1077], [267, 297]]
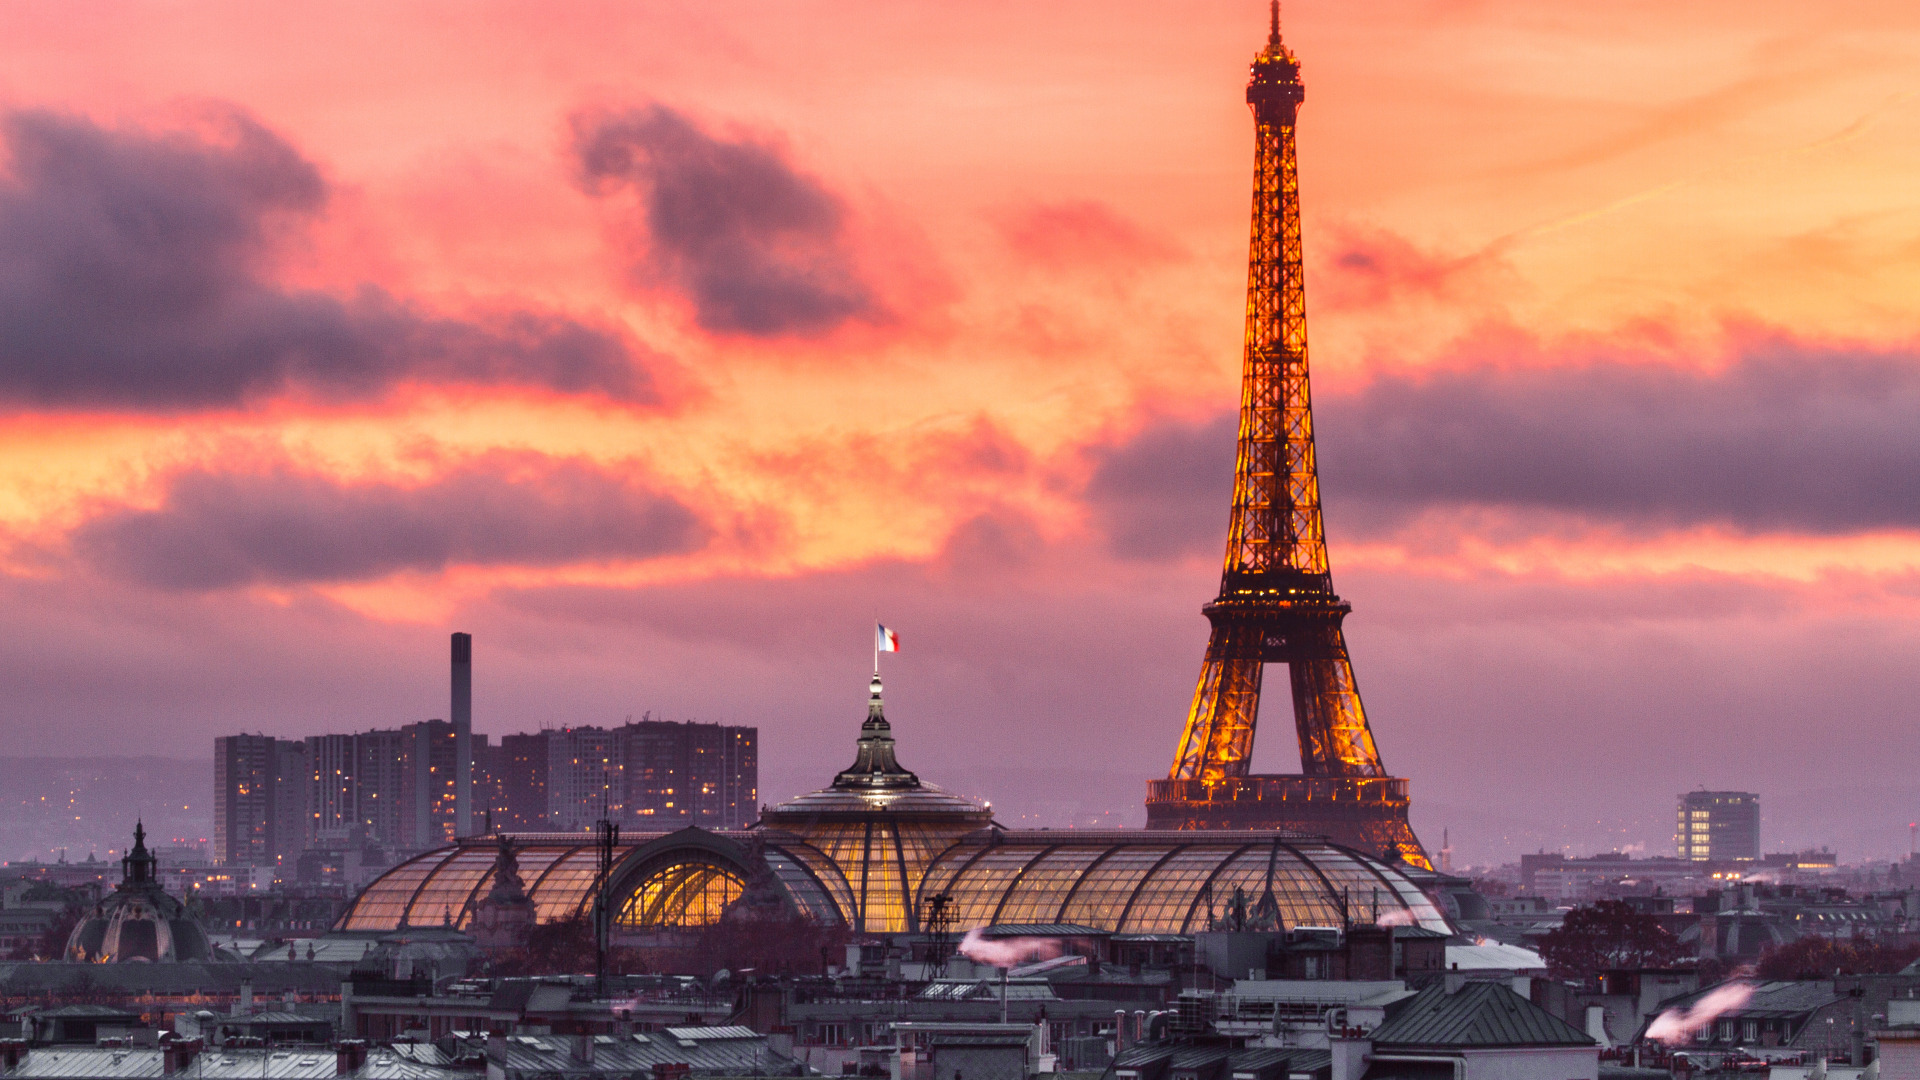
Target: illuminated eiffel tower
[[1277, 603]]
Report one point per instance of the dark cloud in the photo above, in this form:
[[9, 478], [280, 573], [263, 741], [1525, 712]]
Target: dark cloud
[[285, 526], [757, 247], [1786, 438], [1164, 493], [133, 274]]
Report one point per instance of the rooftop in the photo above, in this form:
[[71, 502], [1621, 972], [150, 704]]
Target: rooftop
[[1476, 1014]]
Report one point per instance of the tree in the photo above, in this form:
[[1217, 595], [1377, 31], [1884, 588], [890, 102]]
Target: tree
[[1824, 957], [1605, 936]]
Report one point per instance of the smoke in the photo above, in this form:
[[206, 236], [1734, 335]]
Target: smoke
[[1007, 952], [1678, 1025], [1396, 917]]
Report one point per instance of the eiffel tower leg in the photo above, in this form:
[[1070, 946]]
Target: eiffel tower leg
[[1218, 741], [1334, 737]]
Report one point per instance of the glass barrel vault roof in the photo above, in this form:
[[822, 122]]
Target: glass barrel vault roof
[[1124, 882]]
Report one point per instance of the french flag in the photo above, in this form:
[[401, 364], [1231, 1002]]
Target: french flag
[[885, 640]]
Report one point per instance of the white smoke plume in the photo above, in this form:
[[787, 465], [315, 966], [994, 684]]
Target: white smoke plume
[[1007, 952], [1396, 917], [1677, 1025]]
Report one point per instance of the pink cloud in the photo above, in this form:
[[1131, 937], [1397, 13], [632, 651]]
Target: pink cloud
[[1082, 232]]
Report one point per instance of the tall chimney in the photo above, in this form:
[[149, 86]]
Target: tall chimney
[[462, 712]]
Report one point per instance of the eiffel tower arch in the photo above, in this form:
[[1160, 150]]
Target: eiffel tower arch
[[1276, 602]]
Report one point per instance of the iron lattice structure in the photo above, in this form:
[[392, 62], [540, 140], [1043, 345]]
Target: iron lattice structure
[[1276, 602]]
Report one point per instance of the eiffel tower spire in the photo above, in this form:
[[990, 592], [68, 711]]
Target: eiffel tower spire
[[1276, 602]]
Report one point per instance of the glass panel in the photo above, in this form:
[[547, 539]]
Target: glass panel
[[564, 892], [1169, 894], [444, 898], [1103, 895], [978, 889], [886, 908], [1044, 887], [384, 901], [845, 845], [808, 897], [1297, 892], [683, 894], [838, 893], [1370, 899], [922, 844]]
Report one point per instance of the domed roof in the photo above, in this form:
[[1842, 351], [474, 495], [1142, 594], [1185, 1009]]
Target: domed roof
[[877, 784], [139, 921]]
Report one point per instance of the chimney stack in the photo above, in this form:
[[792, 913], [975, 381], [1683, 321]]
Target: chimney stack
[[462, 714]]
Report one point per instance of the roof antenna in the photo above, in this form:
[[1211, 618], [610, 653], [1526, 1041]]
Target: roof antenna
[[1273, 36]]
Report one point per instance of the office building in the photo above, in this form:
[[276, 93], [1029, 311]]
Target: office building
[[1718, 826]]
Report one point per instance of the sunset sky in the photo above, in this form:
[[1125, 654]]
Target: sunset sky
[[664, 346]]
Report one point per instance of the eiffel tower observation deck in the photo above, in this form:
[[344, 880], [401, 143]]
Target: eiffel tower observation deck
[[1276, 602]]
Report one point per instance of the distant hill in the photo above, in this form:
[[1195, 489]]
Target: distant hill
[[88, 805]]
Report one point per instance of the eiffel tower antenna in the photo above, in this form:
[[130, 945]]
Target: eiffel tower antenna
[[1276, 602]]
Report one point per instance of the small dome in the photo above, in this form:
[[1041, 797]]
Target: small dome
[[139, 922]]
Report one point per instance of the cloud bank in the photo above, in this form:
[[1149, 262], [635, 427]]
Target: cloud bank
[[1789, 437], [134, 275], [286, 526]]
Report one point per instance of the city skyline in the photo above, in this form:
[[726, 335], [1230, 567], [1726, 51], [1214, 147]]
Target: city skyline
[[1612, 328]]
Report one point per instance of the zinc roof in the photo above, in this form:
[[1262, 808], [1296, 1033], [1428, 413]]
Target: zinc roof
[[385, 1064], [713, 1051], [1477, 1014], [87, 1062], [987, 990], [278, 1065], [112, 1063]]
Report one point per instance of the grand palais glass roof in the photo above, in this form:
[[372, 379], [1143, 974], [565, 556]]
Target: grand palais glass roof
[[870, 851]]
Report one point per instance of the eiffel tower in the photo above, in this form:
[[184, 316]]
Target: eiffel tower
[[1277, 603]]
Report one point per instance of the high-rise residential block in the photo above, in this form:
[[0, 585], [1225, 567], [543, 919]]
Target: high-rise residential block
[[381, 765], [691, 774], [522, 761], [260, 787], [651, 775], [586, 777]]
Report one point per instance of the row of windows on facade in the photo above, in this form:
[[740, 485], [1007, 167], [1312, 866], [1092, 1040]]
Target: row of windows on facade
[[1718, 826], [395, 788]]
